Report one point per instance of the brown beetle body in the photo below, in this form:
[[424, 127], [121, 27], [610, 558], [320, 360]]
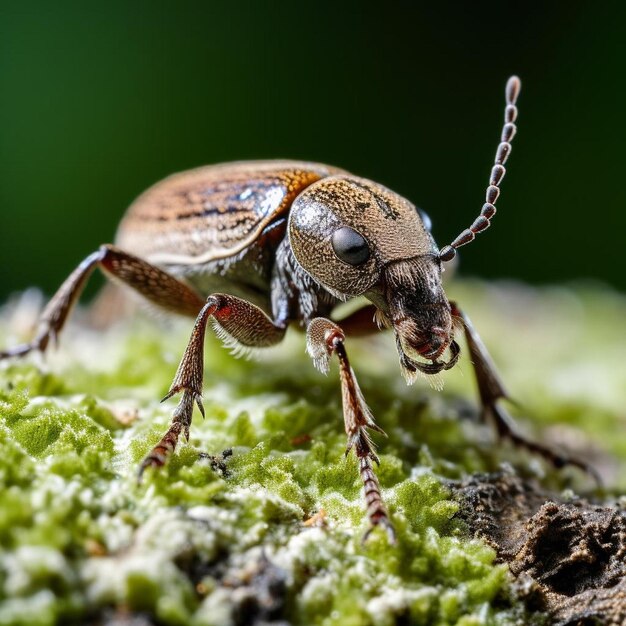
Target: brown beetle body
[[219, 226], [213, 212], [257, 246]]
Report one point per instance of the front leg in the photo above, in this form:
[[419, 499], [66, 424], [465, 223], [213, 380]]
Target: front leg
[[491, 390], [323, 339], [237, 322]]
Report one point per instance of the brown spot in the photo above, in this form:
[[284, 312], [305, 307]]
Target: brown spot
[[300, 439], [95, 548], [317, 520]]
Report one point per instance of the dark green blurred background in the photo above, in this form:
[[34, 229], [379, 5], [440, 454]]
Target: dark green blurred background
[[98, 102]]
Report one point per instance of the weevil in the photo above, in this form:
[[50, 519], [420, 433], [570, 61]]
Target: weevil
[[258, 246]]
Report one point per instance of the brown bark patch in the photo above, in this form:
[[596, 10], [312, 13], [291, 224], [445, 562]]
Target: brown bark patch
[[568, 557]]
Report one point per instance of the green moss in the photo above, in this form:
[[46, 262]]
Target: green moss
[[80, 536]]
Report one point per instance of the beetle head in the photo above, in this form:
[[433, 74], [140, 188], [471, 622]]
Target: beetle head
[[343, 230], [356, 237]]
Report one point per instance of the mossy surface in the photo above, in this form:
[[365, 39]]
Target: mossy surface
[[273, 531]]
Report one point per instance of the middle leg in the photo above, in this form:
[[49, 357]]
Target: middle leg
[[323, 339]]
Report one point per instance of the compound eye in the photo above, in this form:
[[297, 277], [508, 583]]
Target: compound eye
[[428, 224], [350, 246]]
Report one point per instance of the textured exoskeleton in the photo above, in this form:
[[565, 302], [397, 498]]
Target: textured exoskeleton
[[257, 246]]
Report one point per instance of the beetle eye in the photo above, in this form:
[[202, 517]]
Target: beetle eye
[[428, 224], [350, 246]]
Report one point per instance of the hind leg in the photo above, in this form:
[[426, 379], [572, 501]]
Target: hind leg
[[151, 282]]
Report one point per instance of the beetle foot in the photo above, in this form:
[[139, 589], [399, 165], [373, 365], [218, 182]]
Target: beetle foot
[[506, 429], [360, 441], [376, 510], [155, 459], [159, 454], [39, 344], [560, 460], [383, 522], [18, 351], [181, 421]]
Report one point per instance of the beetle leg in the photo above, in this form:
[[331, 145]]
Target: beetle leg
[[491, 389], [361, 322], [323, 339], [151, 282], [238, 321]]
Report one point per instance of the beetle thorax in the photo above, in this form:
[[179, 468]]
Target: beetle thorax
[[344, 230]]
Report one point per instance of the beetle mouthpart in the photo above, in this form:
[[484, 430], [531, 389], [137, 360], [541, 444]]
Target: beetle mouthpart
[[430, 345], [433, 347], [410, 367]]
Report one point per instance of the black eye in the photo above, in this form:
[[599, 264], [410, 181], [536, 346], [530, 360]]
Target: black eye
[[350, 246], [428, 224]]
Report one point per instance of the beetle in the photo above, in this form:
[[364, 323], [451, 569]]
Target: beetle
[[258, 246]]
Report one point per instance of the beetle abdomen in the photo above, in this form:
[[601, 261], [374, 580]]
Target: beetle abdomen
[[213, 212]]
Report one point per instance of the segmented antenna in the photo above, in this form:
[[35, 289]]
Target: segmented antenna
[[482, 222]]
